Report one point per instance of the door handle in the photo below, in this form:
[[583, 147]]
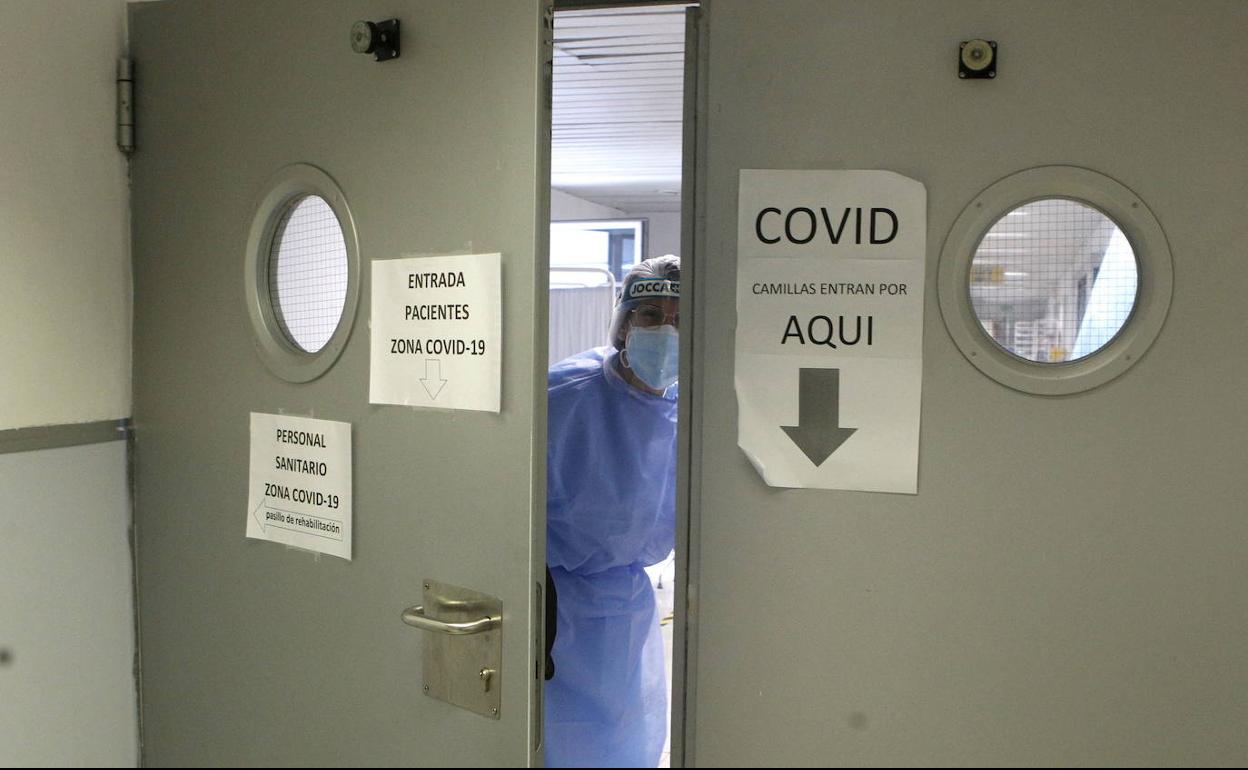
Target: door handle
[[416, 617], [461, 605], [463, 657]]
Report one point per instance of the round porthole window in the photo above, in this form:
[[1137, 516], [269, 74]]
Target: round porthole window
[[308, 273], [302, 273], [1055, 280]]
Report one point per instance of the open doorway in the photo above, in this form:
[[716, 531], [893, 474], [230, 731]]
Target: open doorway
[[619, 112]]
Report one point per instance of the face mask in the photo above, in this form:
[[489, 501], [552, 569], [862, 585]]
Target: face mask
[[654, 355]]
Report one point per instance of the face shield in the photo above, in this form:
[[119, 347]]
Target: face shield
[[654, 283]]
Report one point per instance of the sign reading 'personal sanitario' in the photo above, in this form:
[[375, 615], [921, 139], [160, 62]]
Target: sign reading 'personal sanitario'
[[300, 483]]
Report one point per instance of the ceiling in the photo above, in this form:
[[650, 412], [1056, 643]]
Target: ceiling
[[617, 107]]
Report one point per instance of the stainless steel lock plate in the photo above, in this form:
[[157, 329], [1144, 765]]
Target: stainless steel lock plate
[[463, 655]]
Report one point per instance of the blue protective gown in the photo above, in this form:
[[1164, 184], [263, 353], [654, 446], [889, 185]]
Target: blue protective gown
[[611, 484]]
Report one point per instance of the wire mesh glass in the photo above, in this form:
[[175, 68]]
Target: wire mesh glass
[[1054, 281], [308, 273]]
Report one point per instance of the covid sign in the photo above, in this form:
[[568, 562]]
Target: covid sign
[[829, 346], [299, 491], [437, 332]]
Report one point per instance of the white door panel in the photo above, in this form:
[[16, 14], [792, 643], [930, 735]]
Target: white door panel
[[252, 653], [1067, 585]]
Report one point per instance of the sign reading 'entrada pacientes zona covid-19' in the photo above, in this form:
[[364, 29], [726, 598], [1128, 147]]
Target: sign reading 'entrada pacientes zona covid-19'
[[829, 346], [437, 332]]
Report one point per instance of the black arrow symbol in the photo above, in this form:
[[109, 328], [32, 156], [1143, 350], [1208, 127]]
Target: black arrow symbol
[[818, 432]]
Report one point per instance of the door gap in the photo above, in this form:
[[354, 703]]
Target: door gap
[[618, 161]]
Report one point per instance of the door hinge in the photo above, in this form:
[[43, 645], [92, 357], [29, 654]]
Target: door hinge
[[125, 105]]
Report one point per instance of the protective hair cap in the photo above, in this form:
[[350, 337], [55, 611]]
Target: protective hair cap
[[653, 278]]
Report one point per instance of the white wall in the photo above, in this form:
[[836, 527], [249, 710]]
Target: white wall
[[67, 690], [664, 227], [565, 206], [67, 695], [64, 243], [664, 237]]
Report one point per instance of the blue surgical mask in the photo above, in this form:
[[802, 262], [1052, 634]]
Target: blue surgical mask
[[654, 355]]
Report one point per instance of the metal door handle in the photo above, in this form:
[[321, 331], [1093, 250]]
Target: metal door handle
[[463, 659], [461, 605], [415, 616]]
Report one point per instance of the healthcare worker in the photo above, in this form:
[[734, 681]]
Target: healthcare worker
[[610, 512]]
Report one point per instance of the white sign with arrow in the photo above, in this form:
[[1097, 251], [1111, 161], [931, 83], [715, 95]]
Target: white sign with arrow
[[829, 346], [299, 491], [437, 332]]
